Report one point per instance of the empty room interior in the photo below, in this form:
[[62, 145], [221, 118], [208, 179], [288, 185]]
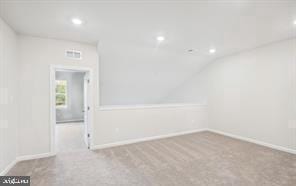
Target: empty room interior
[[155, 92]]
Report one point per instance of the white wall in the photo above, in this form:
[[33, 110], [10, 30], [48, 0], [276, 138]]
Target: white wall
[[109, 126], [133, 123], [137, 74], [8, 95], [75, 91], [36, 55], [192, 90], [251, 94]]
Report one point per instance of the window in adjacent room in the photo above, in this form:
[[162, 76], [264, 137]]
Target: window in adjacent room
[[61, 94]]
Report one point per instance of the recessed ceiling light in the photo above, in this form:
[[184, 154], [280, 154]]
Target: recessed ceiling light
[[160, 38], [294, 22], [212, 51], [76, 21]]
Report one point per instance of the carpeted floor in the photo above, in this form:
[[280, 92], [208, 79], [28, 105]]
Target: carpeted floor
[[196, 159], [69, 137]]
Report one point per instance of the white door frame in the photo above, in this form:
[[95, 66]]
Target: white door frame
[[53, 69]]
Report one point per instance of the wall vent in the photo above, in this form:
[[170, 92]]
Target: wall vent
[[73, 54]]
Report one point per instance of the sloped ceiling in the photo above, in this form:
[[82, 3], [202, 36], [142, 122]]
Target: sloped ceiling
[[134, 68]]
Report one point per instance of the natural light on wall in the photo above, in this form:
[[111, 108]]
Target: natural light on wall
[[147, 74]]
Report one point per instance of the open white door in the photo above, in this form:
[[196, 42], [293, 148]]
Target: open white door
[[86, 109]]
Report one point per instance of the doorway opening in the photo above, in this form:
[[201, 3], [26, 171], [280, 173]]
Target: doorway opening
[[70, 109]]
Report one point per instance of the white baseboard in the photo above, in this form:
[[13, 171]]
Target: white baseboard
[[7, 169], [23, 158], [126, 142], [276, 147], [35, 156]]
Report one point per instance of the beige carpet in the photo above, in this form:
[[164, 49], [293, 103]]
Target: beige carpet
[[69, 137], [197, 159]]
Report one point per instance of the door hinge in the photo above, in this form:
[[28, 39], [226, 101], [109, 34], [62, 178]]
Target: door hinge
[[88, 135], [88, 81], [88, 108]]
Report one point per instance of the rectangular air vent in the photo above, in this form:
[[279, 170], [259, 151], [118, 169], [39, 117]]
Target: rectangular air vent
[[73, 54]]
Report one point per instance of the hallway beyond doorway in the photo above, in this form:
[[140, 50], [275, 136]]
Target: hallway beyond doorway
[[70, 137]]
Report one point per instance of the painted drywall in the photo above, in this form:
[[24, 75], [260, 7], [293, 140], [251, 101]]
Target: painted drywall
[[9, 81], [251, 94], [137, 74], [36, 55], [134, 123], [136, 68], [109, 126], [192, 90], [74, 109]]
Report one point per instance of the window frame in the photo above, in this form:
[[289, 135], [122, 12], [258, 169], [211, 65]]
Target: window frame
[[57, 82]]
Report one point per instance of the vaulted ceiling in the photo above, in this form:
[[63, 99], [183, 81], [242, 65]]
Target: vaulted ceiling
[[135, 67]]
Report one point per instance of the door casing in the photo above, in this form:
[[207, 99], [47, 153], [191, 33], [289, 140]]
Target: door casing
[[53, 69]]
